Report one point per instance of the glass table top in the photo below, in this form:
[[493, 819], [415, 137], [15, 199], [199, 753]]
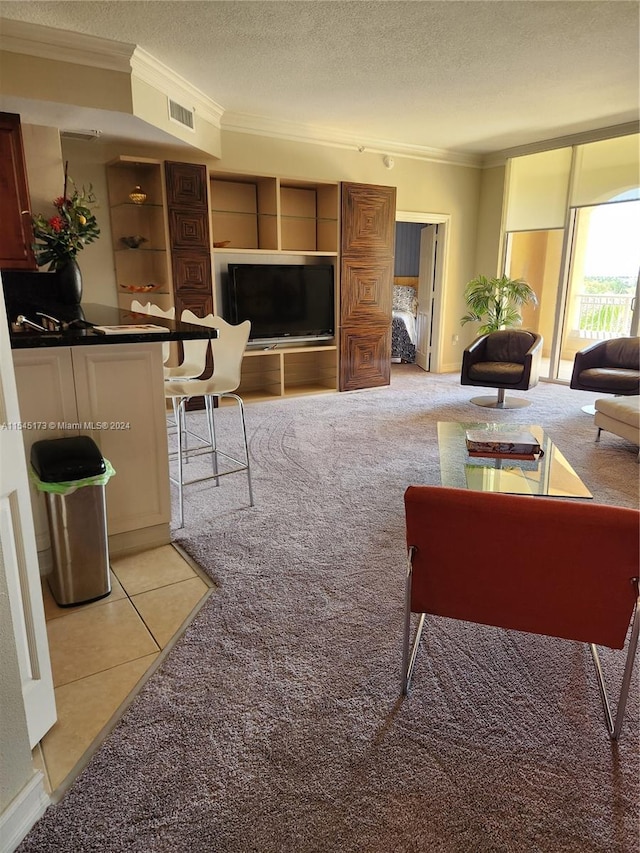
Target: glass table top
[[550, 475]]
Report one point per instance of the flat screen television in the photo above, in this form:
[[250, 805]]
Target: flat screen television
[[285, 302]]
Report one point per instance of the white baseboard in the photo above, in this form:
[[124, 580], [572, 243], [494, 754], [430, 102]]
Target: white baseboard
[[22, 813]]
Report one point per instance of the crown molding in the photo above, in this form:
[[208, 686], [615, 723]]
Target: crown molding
[[499, 158], [294, 132], [150, 70], [65, 46]]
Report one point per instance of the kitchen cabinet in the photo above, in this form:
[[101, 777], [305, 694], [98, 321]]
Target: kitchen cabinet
[[16, 234], [113, 393]]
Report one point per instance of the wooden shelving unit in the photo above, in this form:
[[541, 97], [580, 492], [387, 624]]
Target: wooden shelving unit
[[196, 223], [277, 220]]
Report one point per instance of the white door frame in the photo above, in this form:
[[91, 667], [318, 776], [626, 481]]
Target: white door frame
[[443, 220], [20, 556]]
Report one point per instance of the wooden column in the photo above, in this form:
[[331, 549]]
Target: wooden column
[[189, 237]]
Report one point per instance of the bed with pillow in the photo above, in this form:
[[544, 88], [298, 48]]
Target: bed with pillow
[[403, 324]]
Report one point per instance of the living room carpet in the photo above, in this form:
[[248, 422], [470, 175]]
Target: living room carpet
[[275, 724]]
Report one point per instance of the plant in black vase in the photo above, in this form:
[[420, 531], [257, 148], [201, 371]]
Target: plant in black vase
[[59, 238]]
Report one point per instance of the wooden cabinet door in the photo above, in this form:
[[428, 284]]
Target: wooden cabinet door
[[367, 251], [190, 241], [189, 238], [193, 272], [16, 234], [186, 185], [123, 385]]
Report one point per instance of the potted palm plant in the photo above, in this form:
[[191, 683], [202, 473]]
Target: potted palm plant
[[496, 302]]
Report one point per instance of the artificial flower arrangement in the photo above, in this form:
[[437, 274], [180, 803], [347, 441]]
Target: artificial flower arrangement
[[59, 238]]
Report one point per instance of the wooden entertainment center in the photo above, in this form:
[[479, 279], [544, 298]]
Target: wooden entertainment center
[[195, 223]]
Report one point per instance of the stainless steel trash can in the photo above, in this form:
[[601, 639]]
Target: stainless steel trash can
[[72, 473]]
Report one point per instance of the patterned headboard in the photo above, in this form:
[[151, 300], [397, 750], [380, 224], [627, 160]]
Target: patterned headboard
[[405, 299]]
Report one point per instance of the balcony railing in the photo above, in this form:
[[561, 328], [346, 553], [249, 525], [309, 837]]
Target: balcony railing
[[604, 316]]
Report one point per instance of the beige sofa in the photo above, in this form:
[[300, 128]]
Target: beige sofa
[[619, 415]]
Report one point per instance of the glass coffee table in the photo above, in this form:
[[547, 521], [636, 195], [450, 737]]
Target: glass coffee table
[[550, 475]]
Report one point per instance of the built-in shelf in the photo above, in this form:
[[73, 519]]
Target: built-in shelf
[[289, 371], [150, 262], [274, 215]]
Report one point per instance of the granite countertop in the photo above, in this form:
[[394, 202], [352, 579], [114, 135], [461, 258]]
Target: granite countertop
[[85, 317]]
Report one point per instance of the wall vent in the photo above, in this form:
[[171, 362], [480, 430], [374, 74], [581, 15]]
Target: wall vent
[[84, 135], [181, 115]]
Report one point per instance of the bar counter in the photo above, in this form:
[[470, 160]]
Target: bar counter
[[80, 323]]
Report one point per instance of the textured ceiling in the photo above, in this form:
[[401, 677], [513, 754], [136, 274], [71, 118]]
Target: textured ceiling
[[475, 77]]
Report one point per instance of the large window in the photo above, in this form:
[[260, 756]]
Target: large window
[[584, 265]]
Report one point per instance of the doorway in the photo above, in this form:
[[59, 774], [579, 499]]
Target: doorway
[[429, 271]]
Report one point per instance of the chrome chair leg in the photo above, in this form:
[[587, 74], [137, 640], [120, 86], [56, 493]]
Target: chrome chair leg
[[614, 727], [246, 445], [185, 432], [178, 407], [409, 657], [208, 400]]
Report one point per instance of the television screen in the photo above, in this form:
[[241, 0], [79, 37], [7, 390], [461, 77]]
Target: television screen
[[282, 301]]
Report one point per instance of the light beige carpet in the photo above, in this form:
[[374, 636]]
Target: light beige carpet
[[275, 725]]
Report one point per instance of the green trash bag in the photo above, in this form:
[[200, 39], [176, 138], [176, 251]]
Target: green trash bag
[[70, 486]]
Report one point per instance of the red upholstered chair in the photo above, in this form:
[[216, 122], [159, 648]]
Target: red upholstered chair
[[575, 576]]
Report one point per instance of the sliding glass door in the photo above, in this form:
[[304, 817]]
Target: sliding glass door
[[601, 299], [597, 297]]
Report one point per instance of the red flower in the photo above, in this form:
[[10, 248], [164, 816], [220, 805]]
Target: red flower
[[56, 223], [61, 202]]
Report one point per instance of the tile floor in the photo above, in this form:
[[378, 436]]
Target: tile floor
[[100, 652]]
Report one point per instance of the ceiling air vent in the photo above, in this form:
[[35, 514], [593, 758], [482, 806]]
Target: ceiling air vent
[[181, 114], [84, 135]]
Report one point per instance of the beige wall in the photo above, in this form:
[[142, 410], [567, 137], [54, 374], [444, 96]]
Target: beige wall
[[65, 82], [489, 246], [44, 165], [150, 105], [536, 256]]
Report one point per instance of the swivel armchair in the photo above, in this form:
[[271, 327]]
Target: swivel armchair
[[508, 360], [608, 367]]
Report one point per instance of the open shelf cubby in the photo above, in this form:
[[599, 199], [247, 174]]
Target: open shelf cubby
[[273, 214], [288, 372]]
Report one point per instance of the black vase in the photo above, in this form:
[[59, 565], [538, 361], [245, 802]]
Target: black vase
[[70, 283]]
